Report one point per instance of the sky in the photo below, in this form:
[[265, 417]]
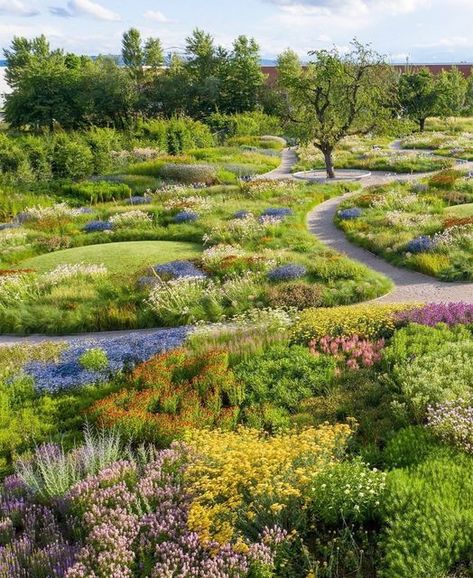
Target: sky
[[421, 30]]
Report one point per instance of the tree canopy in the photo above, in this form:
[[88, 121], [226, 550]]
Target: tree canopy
[[335, 95]]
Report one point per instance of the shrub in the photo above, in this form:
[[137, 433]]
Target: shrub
[[429, 518], [283, 376], [346, 493], [295, 295], [97, 191], [366, 321], [445, 179], [179, 270], [189, 174], [186, 217], [97, 226], [287, 273], [439, 375], [94, 359], [72, 160]]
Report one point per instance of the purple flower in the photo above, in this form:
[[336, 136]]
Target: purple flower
[[179, 270], [350, 214], [421, 244], [186, 217], [97, 227], [277, 213], [434, 313], [287, 273]]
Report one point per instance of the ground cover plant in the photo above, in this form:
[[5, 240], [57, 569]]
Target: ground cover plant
[[68, 269], [374, 154], [334, 442], [424, 226]]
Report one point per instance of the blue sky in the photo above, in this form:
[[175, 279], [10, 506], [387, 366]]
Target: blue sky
[[424, 30]]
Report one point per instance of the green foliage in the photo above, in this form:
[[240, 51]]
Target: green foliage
[[335, 95], [429, 517], [94, 359], [281, 377], [348, 492], [431, 365], [97, 191], [72, 159]]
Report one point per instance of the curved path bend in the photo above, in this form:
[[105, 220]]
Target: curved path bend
[[409, 286]]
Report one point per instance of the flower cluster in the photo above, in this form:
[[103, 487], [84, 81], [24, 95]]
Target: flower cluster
[[135, 217], [349, 214], [139, 519], [186, 217], [245, 472], [179, 270], [348, 492], [60, 210], [452, 422], [16, 288], [195, 203], [287, 273], [69, 271], [122, 353], [421, 244], [353, 351], [168, 402], [97, 226], [434, 313], [33, 540], [279, 213]]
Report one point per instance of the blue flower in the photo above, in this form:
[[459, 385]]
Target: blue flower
[[287, 273], [349, 214], [278, 213], [179, 269], [186, 217], [123, 352], [421, 244], [97, 226]]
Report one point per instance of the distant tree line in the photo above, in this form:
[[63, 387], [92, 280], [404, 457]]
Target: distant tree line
[[54, 88], [340, 93]]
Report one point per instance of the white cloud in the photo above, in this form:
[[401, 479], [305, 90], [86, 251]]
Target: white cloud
[[157, 16], [16, 8], [76, 8], [349, 7]]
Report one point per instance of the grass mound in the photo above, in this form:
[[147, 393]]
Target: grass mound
[[117, 257]]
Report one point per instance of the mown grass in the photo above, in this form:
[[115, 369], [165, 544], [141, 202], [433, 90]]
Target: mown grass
[[117, 257]]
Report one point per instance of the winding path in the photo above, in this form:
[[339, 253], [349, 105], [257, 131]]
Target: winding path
[[409, 286]]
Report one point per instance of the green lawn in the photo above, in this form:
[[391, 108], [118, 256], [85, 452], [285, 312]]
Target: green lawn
[[460, 211], [117, 257]]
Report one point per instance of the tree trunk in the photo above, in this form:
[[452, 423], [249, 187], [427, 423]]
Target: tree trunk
[[422, 124], [329, 163]]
